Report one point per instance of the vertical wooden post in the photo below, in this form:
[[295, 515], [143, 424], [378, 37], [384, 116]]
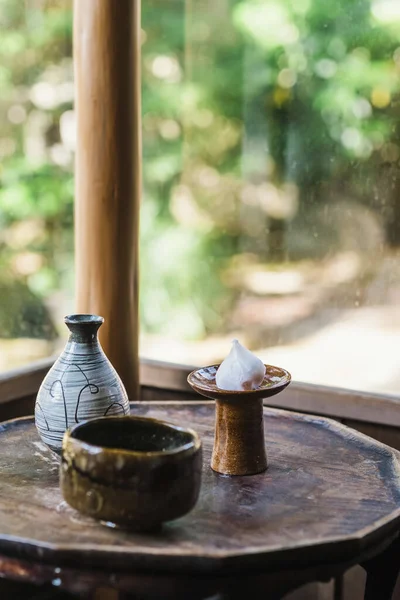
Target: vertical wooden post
[[108, 178]]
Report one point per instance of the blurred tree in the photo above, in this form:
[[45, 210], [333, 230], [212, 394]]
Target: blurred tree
[[263, 111], [36, 181], [255, 112]]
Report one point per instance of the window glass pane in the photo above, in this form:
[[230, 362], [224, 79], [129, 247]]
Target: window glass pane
[[271, 183], [36, 181], [271, 205]]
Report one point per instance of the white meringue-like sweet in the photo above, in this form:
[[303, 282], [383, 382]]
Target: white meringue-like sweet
[[240, 371]]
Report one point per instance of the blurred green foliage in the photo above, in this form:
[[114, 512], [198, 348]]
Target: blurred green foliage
[[255, 113], [36, 183]]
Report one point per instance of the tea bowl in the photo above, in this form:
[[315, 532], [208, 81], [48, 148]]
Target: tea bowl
[[132, 472], [239, 443]]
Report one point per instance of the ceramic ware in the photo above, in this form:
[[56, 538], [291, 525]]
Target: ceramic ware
[[82, 384], [239, 447], [134, 472]]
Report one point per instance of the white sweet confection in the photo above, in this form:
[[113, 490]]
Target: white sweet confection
[[240, 370]]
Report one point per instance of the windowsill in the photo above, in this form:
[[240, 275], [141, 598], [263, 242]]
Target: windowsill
[[330, 401]]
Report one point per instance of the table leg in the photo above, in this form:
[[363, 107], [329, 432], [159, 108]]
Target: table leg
[[338, 587], [382, 572]]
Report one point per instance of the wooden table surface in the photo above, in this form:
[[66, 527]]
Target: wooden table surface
[[329, 499]]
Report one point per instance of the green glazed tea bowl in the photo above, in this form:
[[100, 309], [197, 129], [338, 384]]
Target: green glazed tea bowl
[[132, 472]]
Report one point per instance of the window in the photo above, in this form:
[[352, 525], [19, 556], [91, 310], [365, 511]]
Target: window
[[271, 208], [272, 185], [36, 179]]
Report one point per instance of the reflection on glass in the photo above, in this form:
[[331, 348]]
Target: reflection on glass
[[271, 185]]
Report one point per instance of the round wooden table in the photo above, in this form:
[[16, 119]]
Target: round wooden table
[[330, 499]]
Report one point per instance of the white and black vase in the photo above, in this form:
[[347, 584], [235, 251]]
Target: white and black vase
[[82, 384]]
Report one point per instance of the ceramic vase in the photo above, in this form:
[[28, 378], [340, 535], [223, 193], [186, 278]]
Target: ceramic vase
[[82, 384]]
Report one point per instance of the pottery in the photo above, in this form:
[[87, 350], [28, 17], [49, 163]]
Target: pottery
[[239, 443], [131, 472], [82, 384]]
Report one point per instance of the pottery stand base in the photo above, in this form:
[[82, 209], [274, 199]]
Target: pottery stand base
[[239, 447]]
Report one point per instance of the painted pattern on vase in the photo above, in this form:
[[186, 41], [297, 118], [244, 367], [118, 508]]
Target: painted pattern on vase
[[82, 384]]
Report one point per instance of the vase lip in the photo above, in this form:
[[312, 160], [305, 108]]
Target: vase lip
[[83, 319]]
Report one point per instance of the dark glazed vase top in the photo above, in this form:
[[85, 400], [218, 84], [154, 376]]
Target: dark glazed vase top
[[83, 327]]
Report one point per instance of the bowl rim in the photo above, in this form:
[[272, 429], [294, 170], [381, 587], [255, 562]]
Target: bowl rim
[[194, 444], [204, 387]]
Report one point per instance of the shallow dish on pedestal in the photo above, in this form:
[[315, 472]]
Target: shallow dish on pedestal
[[239, 447], [133, 472], [203, 382]]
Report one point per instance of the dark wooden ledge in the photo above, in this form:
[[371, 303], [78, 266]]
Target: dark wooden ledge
[[162, 380]]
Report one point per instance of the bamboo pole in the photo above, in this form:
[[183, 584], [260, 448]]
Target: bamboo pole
[[108, 178]]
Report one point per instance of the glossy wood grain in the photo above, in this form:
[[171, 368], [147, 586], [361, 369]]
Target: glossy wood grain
[[108, 181], [330, 494], [239, 442]]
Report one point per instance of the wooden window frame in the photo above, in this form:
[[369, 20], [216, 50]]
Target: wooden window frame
[[382, 409]]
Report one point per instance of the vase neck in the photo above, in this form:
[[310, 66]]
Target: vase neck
[[83, 328]]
